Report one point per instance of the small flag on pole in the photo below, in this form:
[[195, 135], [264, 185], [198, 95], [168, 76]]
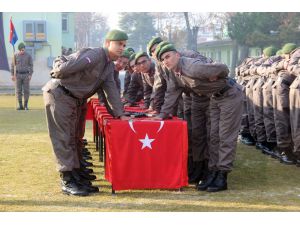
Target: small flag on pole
[[13, 37]]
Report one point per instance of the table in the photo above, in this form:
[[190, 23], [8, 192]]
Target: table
[[146, 154]]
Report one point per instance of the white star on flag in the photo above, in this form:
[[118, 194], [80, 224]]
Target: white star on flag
[[146, 142]]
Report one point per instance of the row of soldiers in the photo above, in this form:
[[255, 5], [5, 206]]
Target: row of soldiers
[[188, 94], [272, 102]]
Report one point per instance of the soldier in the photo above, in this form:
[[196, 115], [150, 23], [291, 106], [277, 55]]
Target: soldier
[[260, 130], [243, 79], [251, 72], [225, 109], [74, 79], [128, 73], [272, 66], [135, 92], [24, 69], [147, 69], [120, 64], [196, 112], [294, 95], [282, 110]]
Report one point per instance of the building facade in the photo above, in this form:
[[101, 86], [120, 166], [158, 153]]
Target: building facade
[[44, 34]]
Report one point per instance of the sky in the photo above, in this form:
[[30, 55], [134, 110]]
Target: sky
[[112, 19]]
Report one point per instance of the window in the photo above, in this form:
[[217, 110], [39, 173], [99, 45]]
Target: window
[[65, 23], [40, 28]]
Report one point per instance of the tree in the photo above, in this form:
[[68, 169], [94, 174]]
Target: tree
[[90, 29], [192, 33], [139, 27]]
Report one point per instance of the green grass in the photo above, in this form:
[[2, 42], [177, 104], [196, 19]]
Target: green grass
[[29, 181]]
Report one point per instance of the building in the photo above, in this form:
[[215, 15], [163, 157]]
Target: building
[[44, 34], [222, 51]]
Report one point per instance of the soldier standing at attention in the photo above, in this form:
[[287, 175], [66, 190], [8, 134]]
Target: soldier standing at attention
[[74, 79], [226, 109], [24, 70]]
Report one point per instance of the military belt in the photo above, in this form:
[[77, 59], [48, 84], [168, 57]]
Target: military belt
[[66, 91], [231, 83], [26, 72], [222, 91]]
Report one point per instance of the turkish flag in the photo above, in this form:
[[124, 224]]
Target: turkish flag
[[146, 154]]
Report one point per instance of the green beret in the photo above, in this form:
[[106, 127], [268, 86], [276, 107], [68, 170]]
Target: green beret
[[126, 54], [132, 57], [287, 48], [21, 45], [130, 50], [152, 42], [269, 51], [116, 35], [164, 49], [159, 46], [279, 52], [139, 55]]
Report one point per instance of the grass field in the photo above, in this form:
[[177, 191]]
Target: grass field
[[29, 181]]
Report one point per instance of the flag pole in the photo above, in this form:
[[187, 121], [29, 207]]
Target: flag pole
[[15, 75]]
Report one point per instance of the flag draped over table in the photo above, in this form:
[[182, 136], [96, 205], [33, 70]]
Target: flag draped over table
[[146, 154]]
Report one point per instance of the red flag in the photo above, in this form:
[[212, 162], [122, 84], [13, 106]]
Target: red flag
[[13, 37], [146, 154]]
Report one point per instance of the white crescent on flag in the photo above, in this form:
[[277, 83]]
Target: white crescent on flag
[[161, 125], [131, 125], [130, 122]]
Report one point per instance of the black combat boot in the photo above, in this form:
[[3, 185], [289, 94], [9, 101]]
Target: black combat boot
[[85, 163], [69, 185], [86, 157], [20, 106], [85, 175], [261, 145], [209, 178], [298, 160], [247, 139], [26, 105], [269, 148], [86, 184], [86, 170], [220, 182], [197, 173], [288, 158]]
